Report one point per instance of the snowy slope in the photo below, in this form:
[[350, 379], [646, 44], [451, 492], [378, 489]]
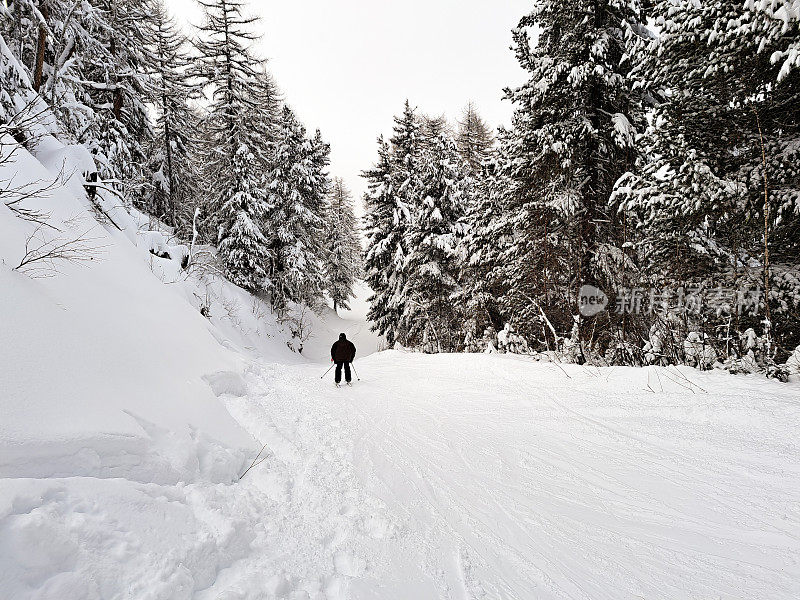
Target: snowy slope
[[486, 476], [102, 365]]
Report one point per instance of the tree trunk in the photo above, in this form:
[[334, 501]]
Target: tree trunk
[[768, 325], [41, 46]]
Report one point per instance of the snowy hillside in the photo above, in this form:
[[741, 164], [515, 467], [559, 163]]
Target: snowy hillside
[[101, 363]]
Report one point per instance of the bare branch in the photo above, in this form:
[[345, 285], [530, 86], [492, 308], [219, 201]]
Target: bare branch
[[42, 255]]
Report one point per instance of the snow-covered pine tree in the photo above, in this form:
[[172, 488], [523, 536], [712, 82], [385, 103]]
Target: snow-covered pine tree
[[429, 320], [116, 82], [71, 36], [172, 87], [298, 184], [319, 189], [481, 252], [573, 136], [477, 296], [723, 76], [85, 60], [15, 82], [384, 241], [343, 246], [432, 128], [394, 186], [474, 138], [243, 244], [270, 103], [234, 152]]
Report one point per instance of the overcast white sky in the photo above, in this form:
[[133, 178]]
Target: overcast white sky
[[347, 66]]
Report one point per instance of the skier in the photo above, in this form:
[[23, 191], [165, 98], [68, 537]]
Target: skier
[[342, 353]]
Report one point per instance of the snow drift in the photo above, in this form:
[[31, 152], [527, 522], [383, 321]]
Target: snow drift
[[101, 364]]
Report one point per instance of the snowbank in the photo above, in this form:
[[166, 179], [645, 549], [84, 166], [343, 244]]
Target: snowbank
[[101, 364]]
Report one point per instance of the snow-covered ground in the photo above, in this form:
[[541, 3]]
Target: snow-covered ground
[[472, 476], [128, 418]]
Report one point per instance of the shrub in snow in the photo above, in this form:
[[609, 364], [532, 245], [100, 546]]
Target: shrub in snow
[[489, 340], [623, 353], [699, 352], [793, 364], [509, 341]]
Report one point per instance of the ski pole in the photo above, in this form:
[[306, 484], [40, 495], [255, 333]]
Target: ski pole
[[328, 371], [354, 371]]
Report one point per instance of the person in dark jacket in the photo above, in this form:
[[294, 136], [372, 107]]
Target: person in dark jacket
[[342, 353]]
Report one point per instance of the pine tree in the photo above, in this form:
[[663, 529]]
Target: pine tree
[[74, 40], [270, 103], [297, 189], [119, 91], [394, 187], [85, 59], [572, 138], [477, 297], [243, 244], [481, 253], [384, 254], [173, 86], [235, 152], [474, 138], [432, 264], [343, 247], [703, 208], [431, 129], [14, 78]]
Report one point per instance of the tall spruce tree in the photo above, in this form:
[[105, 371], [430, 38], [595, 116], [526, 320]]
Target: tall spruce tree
[[119, 89], [429, 318], [394, 188], [234, 153], [572, 138], [172, 87], [481, 252], [85, 60], [343, 246], [298, 184], [384, 212], [431, 129], [474, 138], [704, 210]]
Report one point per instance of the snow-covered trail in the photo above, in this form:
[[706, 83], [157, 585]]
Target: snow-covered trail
[[435, 477], [478, 476]]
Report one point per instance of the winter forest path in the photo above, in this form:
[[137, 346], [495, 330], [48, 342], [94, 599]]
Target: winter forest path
[[486, 476], [353, 323]]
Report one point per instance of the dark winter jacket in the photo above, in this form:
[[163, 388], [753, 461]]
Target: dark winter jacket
[[343, 350]]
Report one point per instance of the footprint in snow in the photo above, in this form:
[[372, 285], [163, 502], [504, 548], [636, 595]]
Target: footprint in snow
[[348, 565], [335, 539]]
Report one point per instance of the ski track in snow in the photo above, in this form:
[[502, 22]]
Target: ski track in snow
[[460, 477]]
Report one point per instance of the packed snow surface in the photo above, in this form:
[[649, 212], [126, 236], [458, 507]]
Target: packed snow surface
[[466, 476]]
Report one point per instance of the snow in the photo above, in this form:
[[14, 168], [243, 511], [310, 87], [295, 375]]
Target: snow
[[445, 476], [500, 476], [99, 356]]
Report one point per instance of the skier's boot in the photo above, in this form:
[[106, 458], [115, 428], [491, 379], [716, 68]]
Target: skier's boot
[[349, 384]]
